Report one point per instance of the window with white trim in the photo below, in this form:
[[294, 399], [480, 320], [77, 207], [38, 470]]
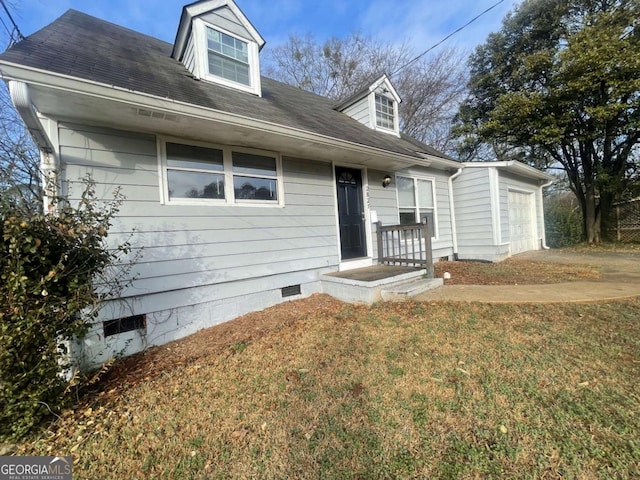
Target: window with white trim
[[228, 57], [255, 177], [194, 172], [225, 57], [200, 173], [385, 112], [416, 201]]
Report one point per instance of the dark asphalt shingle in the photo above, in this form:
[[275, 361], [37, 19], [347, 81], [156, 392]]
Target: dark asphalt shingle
[[83, 46]]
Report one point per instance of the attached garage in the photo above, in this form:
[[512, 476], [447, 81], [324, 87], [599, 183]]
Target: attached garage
[[498, 210]]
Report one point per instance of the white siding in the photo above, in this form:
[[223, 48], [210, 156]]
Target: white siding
[[212, 262], [360, 111], [472, 201], [474, 219], [384, 202], [189, 59], [226, 19]]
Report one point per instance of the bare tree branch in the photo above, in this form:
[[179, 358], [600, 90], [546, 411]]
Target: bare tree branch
[[431, 89]]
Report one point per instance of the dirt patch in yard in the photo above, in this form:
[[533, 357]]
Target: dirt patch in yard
[[514, 271]]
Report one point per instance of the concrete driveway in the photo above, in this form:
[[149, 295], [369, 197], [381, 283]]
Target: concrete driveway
[[620, 278]]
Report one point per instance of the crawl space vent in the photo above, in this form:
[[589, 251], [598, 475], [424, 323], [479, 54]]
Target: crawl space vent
[[122, 325], [290, 291]]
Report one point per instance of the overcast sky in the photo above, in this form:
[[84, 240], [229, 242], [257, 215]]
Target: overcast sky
[[420, 22]]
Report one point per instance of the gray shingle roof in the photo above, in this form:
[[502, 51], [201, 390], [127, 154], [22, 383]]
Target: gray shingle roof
[[85, 47]]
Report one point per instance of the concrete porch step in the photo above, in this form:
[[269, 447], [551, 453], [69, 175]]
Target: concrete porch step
[[364, 285], [376, 283], [409, 289]]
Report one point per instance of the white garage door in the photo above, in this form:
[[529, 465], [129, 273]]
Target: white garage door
[[521, 222]]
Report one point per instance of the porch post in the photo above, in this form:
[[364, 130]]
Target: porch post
[[426, 230], [379, 239]]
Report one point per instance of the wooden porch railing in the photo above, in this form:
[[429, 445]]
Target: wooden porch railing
[[405, 245]]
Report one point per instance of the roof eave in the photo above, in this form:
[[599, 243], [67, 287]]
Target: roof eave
[[56, 81], [439, 162], [513, 166]]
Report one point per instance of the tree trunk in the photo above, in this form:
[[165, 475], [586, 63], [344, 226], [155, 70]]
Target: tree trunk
[[608, 217], [591, 216]]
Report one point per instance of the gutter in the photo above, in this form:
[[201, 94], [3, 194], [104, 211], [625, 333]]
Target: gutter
[[65, 83], [452, 212], [544, 233], [21, 99]]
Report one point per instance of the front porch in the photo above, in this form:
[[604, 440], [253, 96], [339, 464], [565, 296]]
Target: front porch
[[378, 283], [405, 268]]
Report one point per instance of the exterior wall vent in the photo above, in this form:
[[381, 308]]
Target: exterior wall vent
[[122, 325], [143, 112], [291, 291]]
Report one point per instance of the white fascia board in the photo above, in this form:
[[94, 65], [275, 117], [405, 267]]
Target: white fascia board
[[66, 83], [441, 163], [494, 195], [512, 166], [210, 5], [369, 92], [351, 100], [384, 79]]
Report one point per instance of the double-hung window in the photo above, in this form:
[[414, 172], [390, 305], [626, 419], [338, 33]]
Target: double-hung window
[[385, 112], [212, 174], [416, 201], [228, 57], [255, 177], [195, 173]]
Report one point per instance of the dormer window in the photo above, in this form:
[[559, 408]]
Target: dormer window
[[217, 43], [375, 106], [385, 116], [228, 57]]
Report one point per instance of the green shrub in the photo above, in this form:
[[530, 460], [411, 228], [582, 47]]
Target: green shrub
[[563, 221], [50, 265]]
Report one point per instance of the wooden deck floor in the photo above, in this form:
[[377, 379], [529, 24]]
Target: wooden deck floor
[[373, 273]]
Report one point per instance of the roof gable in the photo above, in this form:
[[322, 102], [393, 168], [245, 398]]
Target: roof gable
[[218, 44], [375, 106], [382, 83], [203, 7]]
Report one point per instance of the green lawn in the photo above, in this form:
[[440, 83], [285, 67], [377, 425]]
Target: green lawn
[[321, 389]]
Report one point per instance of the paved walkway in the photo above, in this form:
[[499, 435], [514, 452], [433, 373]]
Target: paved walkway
[[620, 279]]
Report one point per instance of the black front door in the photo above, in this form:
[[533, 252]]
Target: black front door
[[350, 213]]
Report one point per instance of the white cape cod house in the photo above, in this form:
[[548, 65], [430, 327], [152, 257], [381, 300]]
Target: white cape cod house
[[242, 191]]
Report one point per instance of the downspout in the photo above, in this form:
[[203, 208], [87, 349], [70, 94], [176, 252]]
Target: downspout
[[544, 233], [452, 212], [21, 99]]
